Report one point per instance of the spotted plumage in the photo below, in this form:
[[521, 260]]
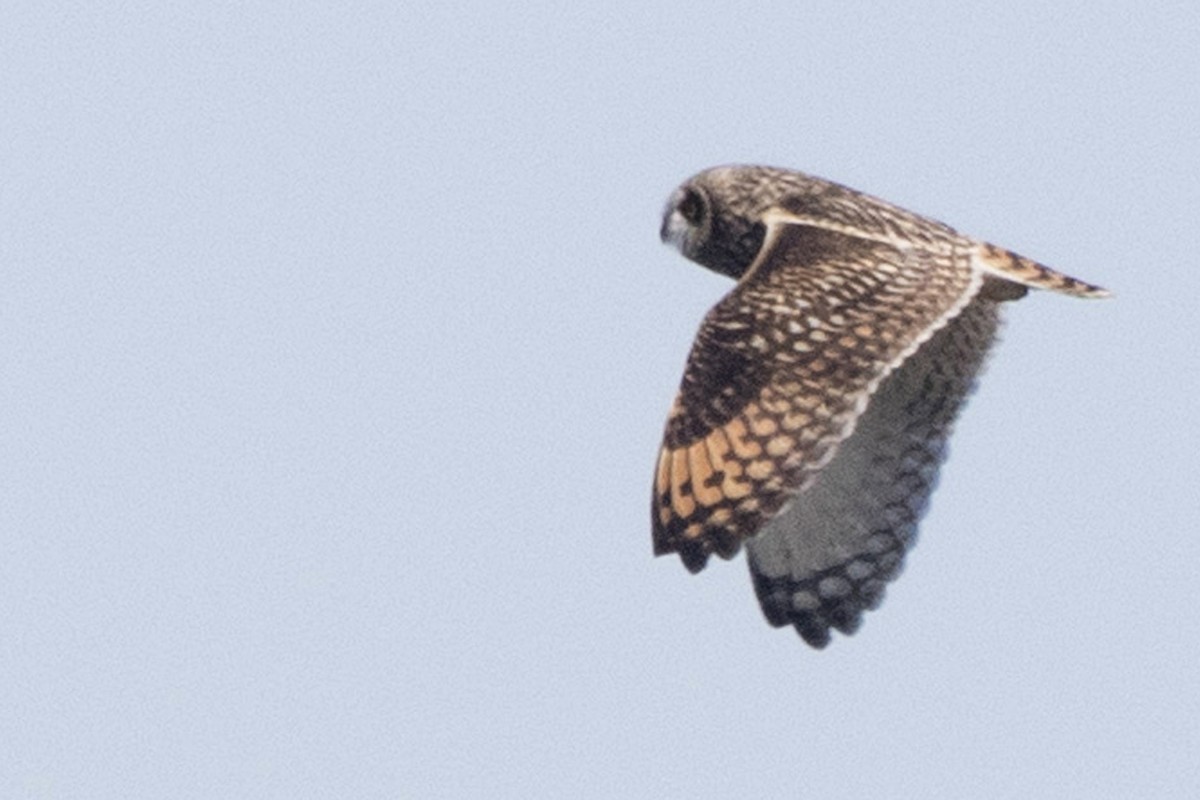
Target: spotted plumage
[[818, 396]]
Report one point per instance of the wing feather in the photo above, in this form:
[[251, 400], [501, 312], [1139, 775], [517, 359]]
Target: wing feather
[[826, 559], [781, 369]]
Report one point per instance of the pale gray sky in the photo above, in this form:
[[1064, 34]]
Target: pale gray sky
[[336, 341]]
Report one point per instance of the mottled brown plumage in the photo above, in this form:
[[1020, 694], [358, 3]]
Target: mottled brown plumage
[[848, 311]]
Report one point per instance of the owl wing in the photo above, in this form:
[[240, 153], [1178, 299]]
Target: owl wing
[[827, 557], [780, 371]]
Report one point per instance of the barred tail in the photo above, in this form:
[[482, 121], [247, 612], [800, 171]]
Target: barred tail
[[1018, 269]]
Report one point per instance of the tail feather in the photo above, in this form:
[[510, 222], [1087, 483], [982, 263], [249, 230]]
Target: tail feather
[[1018, 269]]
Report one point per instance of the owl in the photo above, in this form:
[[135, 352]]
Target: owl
[[819, 393]]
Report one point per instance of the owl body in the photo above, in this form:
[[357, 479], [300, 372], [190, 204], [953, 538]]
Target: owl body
[[818, 396]]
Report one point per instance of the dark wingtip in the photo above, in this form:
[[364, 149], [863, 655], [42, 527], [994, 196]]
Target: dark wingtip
[[814, 634], [817, 616], [694, 555]]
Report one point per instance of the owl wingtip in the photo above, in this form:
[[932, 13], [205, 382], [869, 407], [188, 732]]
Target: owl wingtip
[[694, 554]]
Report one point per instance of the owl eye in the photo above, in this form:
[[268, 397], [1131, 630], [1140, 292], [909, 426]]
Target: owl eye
[[691, 207]]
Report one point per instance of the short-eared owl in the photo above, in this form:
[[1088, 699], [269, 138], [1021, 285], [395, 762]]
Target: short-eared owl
[[818, 396]]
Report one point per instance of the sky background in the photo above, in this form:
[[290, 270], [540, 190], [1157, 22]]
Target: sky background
[[336, 342]]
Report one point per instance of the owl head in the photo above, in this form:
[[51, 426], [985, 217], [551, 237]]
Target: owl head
[[716, 217]]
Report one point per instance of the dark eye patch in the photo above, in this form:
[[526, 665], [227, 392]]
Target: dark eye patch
[[691, 207]]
